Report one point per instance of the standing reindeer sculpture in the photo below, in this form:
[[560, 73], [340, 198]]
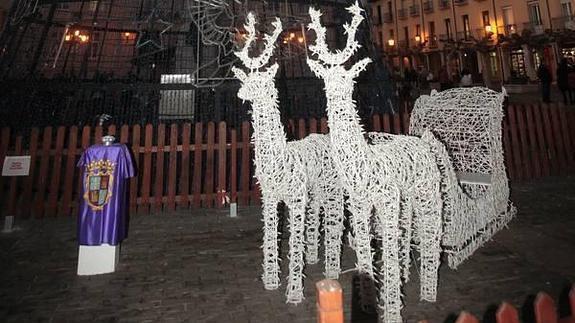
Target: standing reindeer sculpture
[[299, 173], [389, 171]]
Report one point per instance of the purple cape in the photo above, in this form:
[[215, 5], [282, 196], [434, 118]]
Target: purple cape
[[103, 203]]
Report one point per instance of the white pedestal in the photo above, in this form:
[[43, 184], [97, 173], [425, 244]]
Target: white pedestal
[[8, 224], [233, 210], [95, 260]]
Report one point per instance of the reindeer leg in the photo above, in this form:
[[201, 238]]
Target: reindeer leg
[[296, 251], [428, 210], [270, 276], [388, 214], [312, 231], [361, 213], [406, 225], [333, 224]]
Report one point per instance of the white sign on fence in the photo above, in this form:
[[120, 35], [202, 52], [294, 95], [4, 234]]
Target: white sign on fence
[[16, 166]]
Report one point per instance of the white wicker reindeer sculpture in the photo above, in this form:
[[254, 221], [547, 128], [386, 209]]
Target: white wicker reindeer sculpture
[[298, 173], [373, 173]]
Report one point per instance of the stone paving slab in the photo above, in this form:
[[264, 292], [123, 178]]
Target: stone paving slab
[[201, 266]]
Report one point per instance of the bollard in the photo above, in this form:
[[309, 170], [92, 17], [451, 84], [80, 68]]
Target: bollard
[[329, 301]]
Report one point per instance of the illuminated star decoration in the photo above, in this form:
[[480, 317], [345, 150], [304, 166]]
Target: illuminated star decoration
[[153, 34]]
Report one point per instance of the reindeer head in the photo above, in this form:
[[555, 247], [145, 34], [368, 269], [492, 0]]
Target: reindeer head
[[329, 66], [256, 84]]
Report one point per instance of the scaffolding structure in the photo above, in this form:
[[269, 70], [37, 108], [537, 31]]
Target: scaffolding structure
[[155, 61]]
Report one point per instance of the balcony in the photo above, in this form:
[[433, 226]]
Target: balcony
[[445, 37], [402, 13], [464, 35], [482, 33], [507, 30], [403, 45], [535, 27], [460, 2], [428, 6], [414, 10], [388, 48], [431, 41], [416, 41], [444, 4], [564, 23], [387, 17]]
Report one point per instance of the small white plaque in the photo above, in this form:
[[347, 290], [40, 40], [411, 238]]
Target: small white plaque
[[16, 166]]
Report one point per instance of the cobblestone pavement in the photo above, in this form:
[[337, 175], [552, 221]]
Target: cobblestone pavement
[[200, 266]]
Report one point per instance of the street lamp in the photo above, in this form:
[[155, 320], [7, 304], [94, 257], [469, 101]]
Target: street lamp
[[417, 38], [391, 42]]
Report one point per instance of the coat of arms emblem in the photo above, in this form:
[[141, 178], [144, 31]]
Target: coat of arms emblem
[[98, 183]]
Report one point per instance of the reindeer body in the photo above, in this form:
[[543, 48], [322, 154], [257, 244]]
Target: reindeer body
[[299, 173], [396, 176]]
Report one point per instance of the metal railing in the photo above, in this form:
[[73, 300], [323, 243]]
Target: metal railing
[[464, 35], [562, 23], [483, 33], [507, 30], [445, 37], [431, 41], [535, 27]]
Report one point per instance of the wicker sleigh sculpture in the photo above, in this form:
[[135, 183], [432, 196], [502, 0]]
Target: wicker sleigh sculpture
[[474, 181]]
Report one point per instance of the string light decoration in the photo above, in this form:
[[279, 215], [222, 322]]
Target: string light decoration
[[475, 186], [299, 173], [397, 176], [214, 22], [154, 30], [77, 35]]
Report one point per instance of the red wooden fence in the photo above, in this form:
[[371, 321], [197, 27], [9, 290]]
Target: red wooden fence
[[197, 165], [544, 309], [330, 307]]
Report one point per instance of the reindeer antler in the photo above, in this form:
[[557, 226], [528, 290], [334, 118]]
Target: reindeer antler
[[257, 62], [320, 47]]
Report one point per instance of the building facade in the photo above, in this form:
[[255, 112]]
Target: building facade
[[68, 61], [498, 41]]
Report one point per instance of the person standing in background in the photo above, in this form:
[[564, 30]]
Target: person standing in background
[[444, 78], [545, 78], [563, 81], [466, 79]]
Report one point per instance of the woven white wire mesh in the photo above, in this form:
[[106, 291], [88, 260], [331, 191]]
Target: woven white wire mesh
[[475, 186], [299, 173], [386, 173]]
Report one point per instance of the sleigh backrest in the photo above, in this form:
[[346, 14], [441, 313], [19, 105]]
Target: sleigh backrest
[[468, 122]]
